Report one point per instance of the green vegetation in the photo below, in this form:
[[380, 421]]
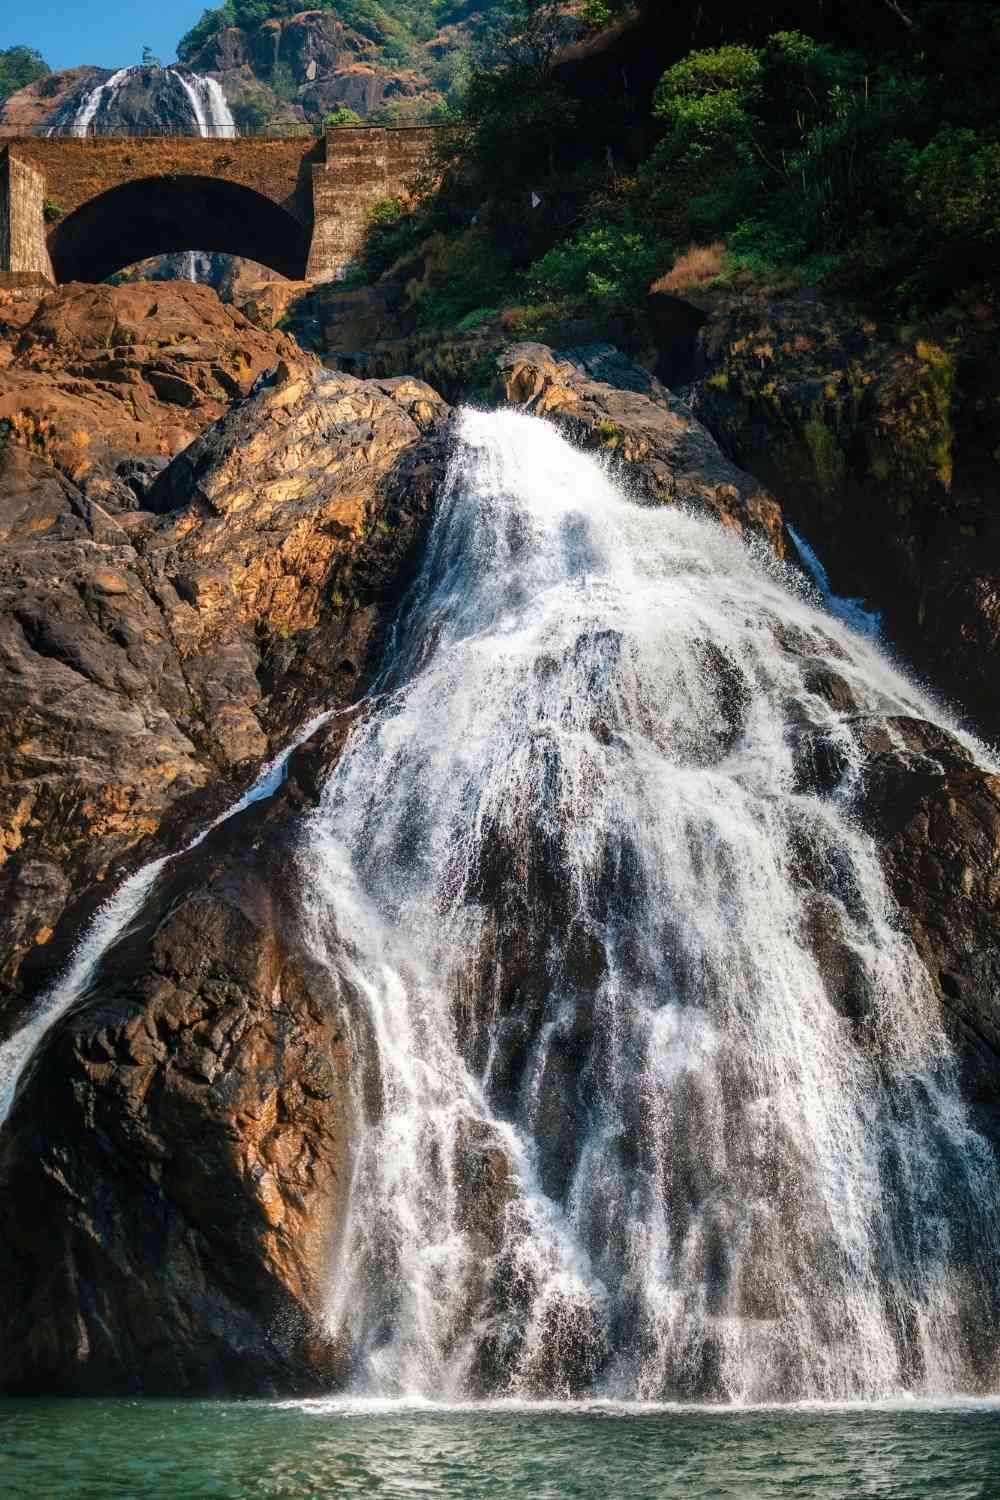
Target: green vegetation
[[860, 152], [396, 25], [253, 110], [20, 66], [343, 116]]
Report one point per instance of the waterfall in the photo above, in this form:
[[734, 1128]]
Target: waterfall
[[204, 101], [208, 103], [196, 265], [654, 1094], [662, 1106], [91, 103], [852, 611]]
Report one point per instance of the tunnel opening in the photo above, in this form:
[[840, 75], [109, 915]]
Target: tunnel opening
[[166, 215]]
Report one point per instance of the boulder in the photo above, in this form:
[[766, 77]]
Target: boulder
[[607, 403], [180, 1155], [92, 377]]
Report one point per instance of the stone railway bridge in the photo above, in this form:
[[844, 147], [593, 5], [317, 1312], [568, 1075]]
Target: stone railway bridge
[[81, 209]]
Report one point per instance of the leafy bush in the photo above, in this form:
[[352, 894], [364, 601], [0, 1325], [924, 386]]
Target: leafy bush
[[600, 13], [606, 262], [733, 72], [795, 140], [395, 231], [475, 319], [253, 110], [459, 276], [954, 183], [343, 115]]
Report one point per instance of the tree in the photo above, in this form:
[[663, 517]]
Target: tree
[[20, 66], [518, 119], [526, 35], [150, 59]]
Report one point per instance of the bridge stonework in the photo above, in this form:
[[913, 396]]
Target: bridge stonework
[[78, 210]]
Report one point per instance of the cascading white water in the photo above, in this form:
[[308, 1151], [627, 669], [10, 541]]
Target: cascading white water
[[196, 265], [91, 103], [662, 1107], [210, 113], [866, 622], [208, 102]]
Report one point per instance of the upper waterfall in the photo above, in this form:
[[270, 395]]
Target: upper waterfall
[[663, 1107], [149, 99]]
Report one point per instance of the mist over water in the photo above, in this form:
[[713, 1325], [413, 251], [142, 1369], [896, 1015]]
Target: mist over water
[[663, 1108]]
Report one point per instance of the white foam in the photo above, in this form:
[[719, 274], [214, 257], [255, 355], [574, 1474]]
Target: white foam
[[760, 1200]]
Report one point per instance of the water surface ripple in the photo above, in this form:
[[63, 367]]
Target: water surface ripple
[[91, 1450]]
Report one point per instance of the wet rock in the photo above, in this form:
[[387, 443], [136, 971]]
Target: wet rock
[[608, 404], [179, 1155], [883, 451], [936, 817]]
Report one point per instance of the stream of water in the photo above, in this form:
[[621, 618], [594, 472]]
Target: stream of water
[[633, 1138]]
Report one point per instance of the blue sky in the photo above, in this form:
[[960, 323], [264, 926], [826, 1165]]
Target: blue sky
[[111, 33]]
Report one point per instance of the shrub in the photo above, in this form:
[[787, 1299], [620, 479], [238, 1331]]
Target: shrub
[[954, 183], [460, 275], [697, 266], [20, 66], [475, 319], [732, 72], [343, 115], [605, 261], [254, 110]]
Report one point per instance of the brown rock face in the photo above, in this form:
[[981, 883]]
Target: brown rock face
[[603, 401], [150, 660], [93, 377], [188, 1167], [884, 454], [182, 1152]]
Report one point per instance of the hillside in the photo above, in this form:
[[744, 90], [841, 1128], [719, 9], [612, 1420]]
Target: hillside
[[282, 67]]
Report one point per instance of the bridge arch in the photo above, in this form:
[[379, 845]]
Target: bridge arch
[[161, 215]]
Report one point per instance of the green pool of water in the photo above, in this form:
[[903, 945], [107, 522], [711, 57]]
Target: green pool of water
[[89, 1450]]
